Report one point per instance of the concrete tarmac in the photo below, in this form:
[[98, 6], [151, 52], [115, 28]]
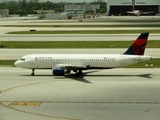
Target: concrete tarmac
[[7, 29], [115, 94], [104, 19], [14, 54], [74, 37], [4, 30]]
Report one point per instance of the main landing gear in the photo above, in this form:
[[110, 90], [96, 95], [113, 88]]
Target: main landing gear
[[78, 73], [32, 74]]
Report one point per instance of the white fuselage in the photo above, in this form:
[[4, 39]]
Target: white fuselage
[[49, 61]]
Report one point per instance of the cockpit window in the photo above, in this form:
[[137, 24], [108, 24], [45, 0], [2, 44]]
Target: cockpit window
[[22, 59]]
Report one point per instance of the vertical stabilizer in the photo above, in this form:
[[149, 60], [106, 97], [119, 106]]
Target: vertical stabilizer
[[138, 46]]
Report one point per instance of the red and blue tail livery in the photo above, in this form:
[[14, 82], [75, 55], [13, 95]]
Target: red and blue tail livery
[[139, 45]]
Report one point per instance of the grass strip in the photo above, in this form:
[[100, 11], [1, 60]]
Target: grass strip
[[7, 63], [83, 26], [154, 62], [86, 32], [74, 44]]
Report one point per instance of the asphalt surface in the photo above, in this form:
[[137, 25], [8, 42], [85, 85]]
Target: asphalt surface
[[4, 30], [21, 20], [109, 94], [117, 94], [75, 37]]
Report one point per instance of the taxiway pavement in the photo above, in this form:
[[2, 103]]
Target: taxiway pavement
[[109, 19], [74, 37], [4, 30], [115, 94]]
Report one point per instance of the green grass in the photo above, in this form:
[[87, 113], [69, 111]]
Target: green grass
[[154, 62], [74, 44], [7, 63], [86, 32]]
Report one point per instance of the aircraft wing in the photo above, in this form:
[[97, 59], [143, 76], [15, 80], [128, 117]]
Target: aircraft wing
[[148, 12], [130, 12], [72, 66]]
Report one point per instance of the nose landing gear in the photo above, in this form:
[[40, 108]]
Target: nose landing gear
[[32, 74]]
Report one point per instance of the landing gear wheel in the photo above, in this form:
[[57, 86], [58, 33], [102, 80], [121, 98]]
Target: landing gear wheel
[[79, 73], [32, 74]]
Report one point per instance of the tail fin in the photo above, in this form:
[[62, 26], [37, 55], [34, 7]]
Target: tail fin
[[139, 45]]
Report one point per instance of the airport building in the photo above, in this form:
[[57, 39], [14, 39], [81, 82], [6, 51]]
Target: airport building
[[80, 8], [56, 16], [116, 7], [4, 12]]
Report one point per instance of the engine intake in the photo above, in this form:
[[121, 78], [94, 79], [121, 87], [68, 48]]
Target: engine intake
[[58, 71]]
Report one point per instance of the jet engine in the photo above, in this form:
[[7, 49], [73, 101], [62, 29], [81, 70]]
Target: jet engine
[[60, 71]]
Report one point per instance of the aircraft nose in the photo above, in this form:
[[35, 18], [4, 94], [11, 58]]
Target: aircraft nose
[[16, 64]]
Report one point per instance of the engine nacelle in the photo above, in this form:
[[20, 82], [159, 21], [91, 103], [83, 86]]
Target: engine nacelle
[[58, 71]]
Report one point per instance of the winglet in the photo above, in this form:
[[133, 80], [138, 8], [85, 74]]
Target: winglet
[[138, 46]]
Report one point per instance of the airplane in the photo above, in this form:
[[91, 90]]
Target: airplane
[[62, 64], [138, 12]]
